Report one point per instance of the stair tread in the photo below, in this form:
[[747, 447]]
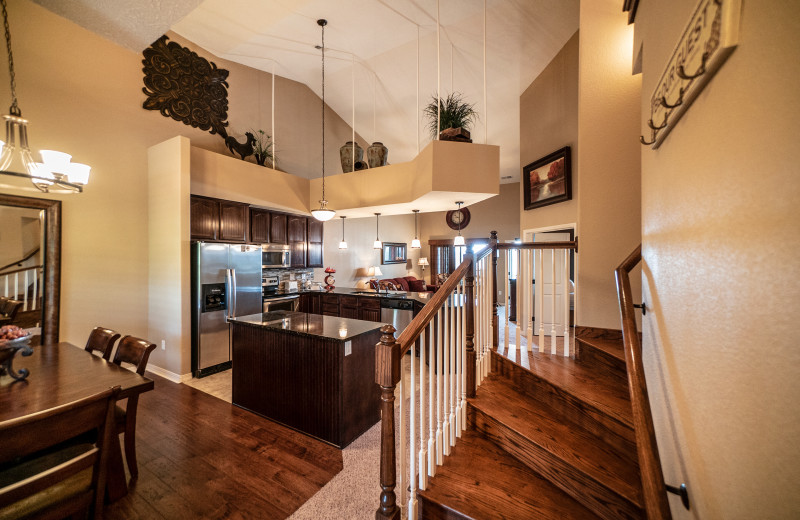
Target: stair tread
[[611, 347], [602, 391], [480, 480], [576, 446]]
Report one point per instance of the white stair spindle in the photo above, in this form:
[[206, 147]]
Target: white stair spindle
[[487, 357], [412, 473], [452, 350], [565, 279], [403, 455], [5, 292], [506, 331], [446, 379], [553, 305], [517, 327], [529, 313], [16, 286], [35, 298], [25, 290], [439, 336], [431, 378], [462, 292], [540, 297], [423, 451], [459, 365]]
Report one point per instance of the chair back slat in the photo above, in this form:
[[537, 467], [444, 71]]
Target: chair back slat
[[135, 351], [102, 340]]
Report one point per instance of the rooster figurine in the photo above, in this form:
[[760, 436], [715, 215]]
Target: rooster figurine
[[243, 149]]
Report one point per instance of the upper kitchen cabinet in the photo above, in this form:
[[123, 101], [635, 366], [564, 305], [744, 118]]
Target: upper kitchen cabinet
[[277, 228], [204, 218], [213, 219], [296, 231], [314, 258], [259, 226], [233, 221]]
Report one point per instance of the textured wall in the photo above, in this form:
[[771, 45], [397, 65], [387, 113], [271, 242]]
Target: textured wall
[[721, 269], [608, 159]]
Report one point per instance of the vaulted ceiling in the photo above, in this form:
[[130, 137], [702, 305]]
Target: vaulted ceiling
[[372, 50]]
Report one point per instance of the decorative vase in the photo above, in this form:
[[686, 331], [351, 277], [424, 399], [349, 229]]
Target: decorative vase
[[346, 155], [377, 154]]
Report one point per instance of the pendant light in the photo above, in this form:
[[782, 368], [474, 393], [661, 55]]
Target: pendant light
[[459, 240], [342, 244], [56, 168], [415, 243], [323, 213], [377, 244]]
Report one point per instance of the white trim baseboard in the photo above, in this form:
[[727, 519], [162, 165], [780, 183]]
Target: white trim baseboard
[[166, 374]]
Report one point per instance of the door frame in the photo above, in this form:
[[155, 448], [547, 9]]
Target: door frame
[[572, 227]]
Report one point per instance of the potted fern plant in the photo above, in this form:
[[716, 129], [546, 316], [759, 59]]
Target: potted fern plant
[[262, 146], [457, 117]]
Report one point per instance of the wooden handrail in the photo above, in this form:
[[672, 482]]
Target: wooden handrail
[[21, 270], [29, 255], [539, 245], [654, 490], [421, 320]]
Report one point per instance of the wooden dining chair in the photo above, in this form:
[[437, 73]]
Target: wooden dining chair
[[135, 351], [43, 475], [102, 340]]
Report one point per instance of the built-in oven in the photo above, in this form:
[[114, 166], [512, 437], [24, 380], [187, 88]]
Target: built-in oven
[[275, 256], [286, 302]]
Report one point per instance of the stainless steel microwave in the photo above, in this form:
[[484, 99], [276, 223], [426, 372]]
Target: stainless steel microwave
[[275, 256]]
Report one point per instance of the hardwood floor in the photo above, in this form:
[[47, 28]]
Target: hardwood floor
[[200, 457]]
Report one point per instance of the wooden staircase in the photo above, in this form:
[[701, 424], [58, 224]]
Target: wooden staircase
[[552, 441]]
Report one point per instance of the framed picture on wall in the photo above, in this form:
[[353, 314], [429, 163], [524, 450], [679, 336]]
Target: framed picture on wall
[[393, 253], [548, 180]]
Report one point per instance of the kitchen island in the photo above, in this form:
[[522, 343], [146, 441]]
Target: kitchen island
[[313, 373]]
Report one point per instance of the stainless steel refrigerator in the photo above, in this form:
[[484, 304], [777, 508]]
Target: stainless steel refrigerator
[[226, 282]]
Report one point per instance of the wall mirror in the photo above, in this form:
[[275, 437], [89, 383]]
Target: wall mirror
[[393, 253], [30, 263]]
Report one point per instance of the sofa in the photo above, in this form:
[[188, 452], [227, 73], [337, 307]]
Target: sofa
[[405, 283]]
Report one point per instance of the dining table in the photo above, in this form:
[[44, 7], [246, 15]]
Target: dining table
[[60, 374]]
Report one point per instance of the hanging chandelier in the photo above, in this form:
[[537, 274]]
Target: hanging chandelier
[[323, 213], [415, 243], [377, 244], [459, 240], [55, 173], [342, 244]]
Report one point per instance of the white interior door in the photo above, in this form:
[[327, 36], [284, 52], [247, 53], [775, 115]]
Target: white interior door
[[548, 288]]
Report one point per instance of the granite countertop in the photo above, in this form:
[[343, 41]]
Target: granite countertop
[[369, 293], [302, 324]]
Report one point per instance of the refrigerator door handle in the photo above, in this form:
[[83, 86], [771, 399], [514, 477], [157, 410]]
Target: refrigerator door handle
[[233, 312]]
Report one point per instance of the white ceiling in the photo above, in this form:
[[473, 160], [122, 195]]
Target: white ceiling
[[372, 43]]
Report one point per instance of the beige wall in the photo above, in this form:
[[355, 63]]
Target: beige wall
[[360, 235], [499, 213], [83, 94], [549, 121], [608, 160], [20, 233], [721, 270]]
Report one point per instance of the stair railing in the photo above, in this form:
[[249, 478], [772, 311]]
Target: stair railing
[[655, 498], [23, 284], [433, 414], [530, 259]]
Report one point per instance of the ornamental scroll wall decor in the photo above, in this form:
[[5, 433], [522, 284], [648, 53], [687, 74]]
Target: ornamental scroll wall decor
[[182, 85]]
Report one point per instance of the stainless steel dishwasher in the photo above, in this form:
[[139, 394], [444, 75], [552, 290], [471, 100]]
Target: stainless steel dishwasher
[[398, 313]]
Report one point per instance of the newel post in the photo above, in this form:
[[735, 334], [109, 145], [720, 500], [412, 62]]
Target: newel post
[[470, 326], [387, 375], [495, 321]]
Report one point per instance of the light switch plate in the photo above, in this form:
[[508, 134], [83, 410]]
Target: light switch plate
[[348, 348]]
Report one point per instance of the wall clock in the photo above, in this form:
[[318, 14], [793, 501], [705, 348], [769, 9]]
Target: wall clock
[[458, 217]]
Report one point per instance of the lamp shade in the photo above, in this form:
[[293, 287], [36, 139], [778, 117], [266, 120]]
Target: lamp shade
[[376, 271], [377, 244], [458, 241], [423, 261], [415, 244], [342, 245]]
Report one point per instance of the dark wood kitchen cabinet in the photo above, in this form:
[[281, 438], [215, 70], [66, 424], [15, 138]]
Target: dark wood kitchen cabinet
[[310, 303], [233, 221], [369, 308], [348, 306], [259, 226], [213, 219], [330, 305], [277, 228], [204, 220], [314, 258], [296, 231]]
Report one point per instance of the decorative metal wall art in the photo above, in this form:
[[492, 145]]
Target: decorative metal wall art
[[182, 85], [708, 39]]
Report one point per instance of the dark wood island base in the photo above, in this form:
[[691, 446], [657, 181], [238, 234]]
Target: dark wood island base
[[313, 373]]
